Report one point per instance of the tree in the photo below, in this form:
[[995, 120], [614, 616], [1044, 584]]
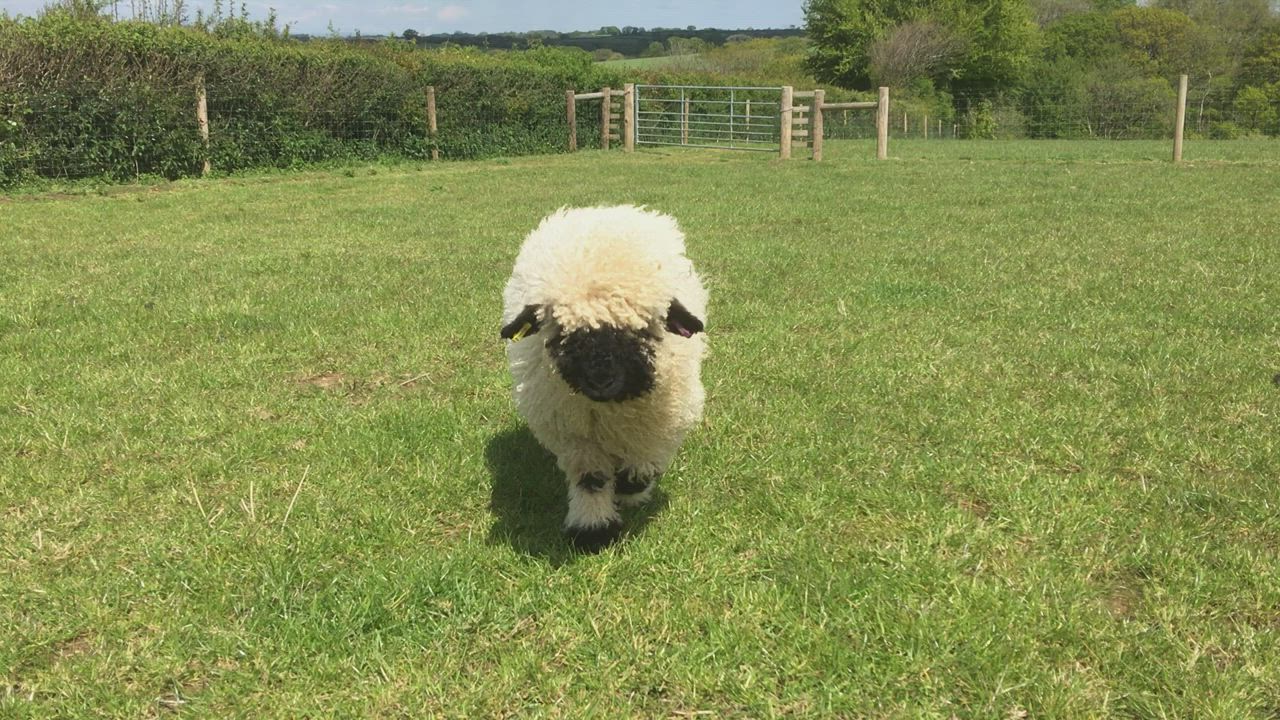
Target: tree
[[1085, 36], [1158, 41], [410, 34], [1254, 108], [1262, 59], [1047, 12], [999, 38], [78, 9], [655, 49], [685, 46], [911, 51]]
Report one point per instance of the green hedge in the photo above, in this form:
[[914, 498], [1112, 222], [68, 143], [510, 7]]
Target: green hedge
[[117, 100]]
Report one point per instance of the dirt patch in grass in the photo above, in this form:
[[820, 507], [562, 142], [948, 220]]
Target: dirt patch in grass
[[325, 381], [977, 506], [73, 647], [969, 502], [357, 390], [1122, 601], [261, 413]]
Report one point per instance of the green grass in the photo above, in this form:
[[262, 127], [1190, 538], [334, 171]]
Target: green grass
[[653, 63], [991, 430]]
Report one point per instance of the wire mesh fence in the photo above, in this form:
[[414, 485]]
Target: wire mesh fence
[[1106, 113], [124, 133]]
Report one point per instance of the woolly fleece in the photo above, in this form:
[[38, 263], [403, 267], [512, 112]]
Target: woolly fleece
[[606, 266]]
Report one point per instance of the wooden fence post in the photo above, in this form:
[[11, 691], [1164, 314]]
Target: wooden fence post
[[1180, 122], [819, 97], [784, 134], [629, 117], [606, 102], [924, 126], [432, 128], [202, 122], [882, 125], [904, 123], [570, 111]]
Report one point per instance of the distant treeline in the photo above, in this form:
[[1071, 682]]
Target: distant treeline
[[628, 41]]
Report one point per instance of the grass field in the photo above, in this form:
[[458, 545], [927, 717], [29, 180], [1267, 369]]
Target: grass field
[[991, 432], [651, 63]]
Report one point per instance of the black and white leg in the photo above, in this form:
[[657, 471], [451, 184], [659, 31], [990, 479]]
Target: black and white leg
[[593, 521], [634, 487]]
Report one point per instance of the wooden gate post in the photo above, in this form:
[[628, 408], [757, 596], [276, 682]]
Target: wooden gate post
[[629, 117], [606, 101], [882, 125], [570, 112], [819, 96], [784, 130], [202, 122], [432, 129], [1180, 122]]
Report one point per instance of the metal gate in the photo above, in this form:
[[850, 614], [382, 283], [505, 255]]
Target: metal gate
[[730, 118]]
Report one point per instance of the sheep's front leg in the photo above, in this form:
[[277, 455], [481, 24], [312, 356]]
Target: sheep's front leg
[[593, 521]]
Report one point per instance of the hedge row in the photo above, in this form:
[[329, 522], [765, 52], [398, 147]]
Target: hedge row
[[117, 100]]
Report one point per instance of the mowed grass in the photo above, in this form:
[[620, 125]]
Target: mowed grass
[[991, 432]]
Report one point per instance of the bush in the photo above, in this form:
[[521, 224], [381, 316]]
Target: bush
[[1119, 104], [1054, 100], [1255, 109], [1225, 130], [982, 121]]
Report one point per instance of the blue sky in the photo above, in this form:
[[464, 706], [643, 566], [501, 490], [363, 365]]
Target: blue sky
[[378, 17]]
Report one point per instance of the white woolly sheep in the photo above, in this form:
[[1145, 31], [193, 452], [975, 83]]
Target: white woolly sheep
[[606, 316]]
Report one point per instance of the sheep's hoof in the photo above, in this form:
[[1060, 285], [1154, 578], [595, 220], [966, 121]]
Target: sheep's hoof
[[595, 538], [632, 490]]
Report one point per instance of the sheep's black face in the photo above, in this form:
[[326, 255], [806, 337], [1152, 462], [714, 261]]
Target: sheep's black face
[[606, 364]]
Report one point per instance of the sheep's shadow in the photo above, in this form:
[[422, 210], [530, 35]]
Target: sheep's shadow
[[528, 499]]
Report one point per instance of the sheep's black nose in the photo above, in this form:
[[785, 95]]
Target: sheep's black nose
[[603, 379]]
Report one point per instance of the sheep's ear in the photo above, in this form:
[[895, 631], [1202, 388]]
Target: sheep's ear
[[682, 322], [526, 323]]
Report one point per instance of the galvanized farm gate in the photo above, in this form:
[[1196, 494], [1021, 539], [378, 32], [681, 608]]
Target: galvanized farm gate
[[731, 118]]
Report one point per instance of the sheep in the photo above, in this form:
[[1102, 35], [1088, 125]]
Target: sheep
[[605, 315]]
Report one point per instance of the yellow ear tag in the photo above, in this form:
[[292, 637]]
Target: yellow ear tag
[[521, 332]]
